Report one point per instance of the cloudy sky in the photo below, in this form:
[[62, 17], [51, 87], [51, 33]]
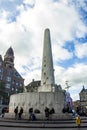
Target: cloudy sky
[[22, 25]]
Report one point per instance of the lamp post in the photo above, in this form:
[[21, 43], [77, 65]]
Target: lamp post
[[67, 86]]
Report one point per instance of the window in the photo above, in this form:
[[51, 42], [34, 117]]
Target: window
[[44, 83], [16, 74], [45, 65], [12, 89], [0, 63], [44, 73], [13, 82], [7, 85], [16, 83], [10, 66], [0, 77], [16, 90], [9, 73], [11, 60], [20, 84], [1, 70], [8, 79]]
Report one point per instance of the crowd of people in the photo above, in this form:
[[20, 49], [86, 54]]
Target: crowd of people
[[18, 114], [47, 111]]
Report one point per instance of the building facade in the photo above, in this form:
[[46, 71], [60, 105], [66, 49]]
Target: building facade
[[83, 97], [33, 86], [81, 105], [10, 80]]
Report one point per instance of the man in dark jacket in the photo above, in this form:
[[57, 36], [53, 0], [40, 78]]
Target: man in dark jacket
[[16, 112], [20, 113]]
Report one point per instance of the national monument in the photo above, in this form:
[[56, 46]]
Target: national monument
[[48, 93]]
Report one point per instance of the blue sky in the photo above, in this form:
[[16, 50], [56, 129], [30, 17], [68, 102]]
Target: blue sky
[[22, 25]]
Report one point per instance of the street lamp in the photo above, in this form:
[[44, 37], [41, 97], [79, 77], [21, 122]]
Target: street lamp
[[67, 86]]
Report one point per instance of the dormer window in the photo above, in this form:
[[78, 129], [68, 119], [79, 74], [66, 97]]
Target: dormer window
[[11, 60]]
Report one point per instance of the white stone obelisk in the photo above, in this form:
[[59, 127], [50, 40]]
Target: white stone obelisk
[[47, 76]]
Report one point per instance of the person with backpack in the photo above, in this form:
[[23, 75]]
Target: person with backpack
[[31, 114]]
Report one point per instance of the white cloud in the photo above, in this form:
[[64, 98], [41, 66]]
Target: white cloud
[[82, 30], [31, 2], [81, 50], [75, 75], [60, 53], [56, 16]]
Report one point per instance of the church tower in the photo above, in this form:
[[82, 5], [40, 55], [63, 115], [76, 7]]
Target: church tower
[[47, 76], [9, 58]]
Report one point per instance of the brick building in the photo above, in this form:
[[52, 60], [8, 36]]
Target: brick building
[[10, 80]]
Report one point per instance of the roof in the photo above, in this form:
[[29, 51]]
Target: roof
[[33, 85], [10, 51], [83, 89]]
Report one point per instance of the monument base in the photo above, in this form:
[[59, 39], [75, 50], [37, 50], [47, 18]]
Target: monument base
[[25, 116], [39, 101]]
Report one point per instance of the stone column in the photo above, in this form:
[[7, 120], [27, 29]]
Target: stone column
[[47, 74]]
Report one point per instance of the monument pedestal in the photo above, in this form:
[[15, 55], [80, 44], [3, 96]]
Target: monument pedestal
[[39, 101], [25, 116]]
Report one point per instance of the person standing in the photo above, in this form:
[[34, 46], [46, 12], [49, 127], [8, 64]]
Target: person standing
[[47, 113], [78, 121], [3, 112], [20, 113], [16, 112], [31, 114]]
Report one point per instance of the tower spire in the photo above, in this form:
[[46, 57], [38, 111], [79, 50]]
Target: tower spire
[[9, 58], [47, 74]]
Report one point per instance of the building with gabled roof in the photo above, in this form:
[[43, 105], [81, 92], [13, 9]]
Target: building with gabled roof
[[33, 86], [10, 79]]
